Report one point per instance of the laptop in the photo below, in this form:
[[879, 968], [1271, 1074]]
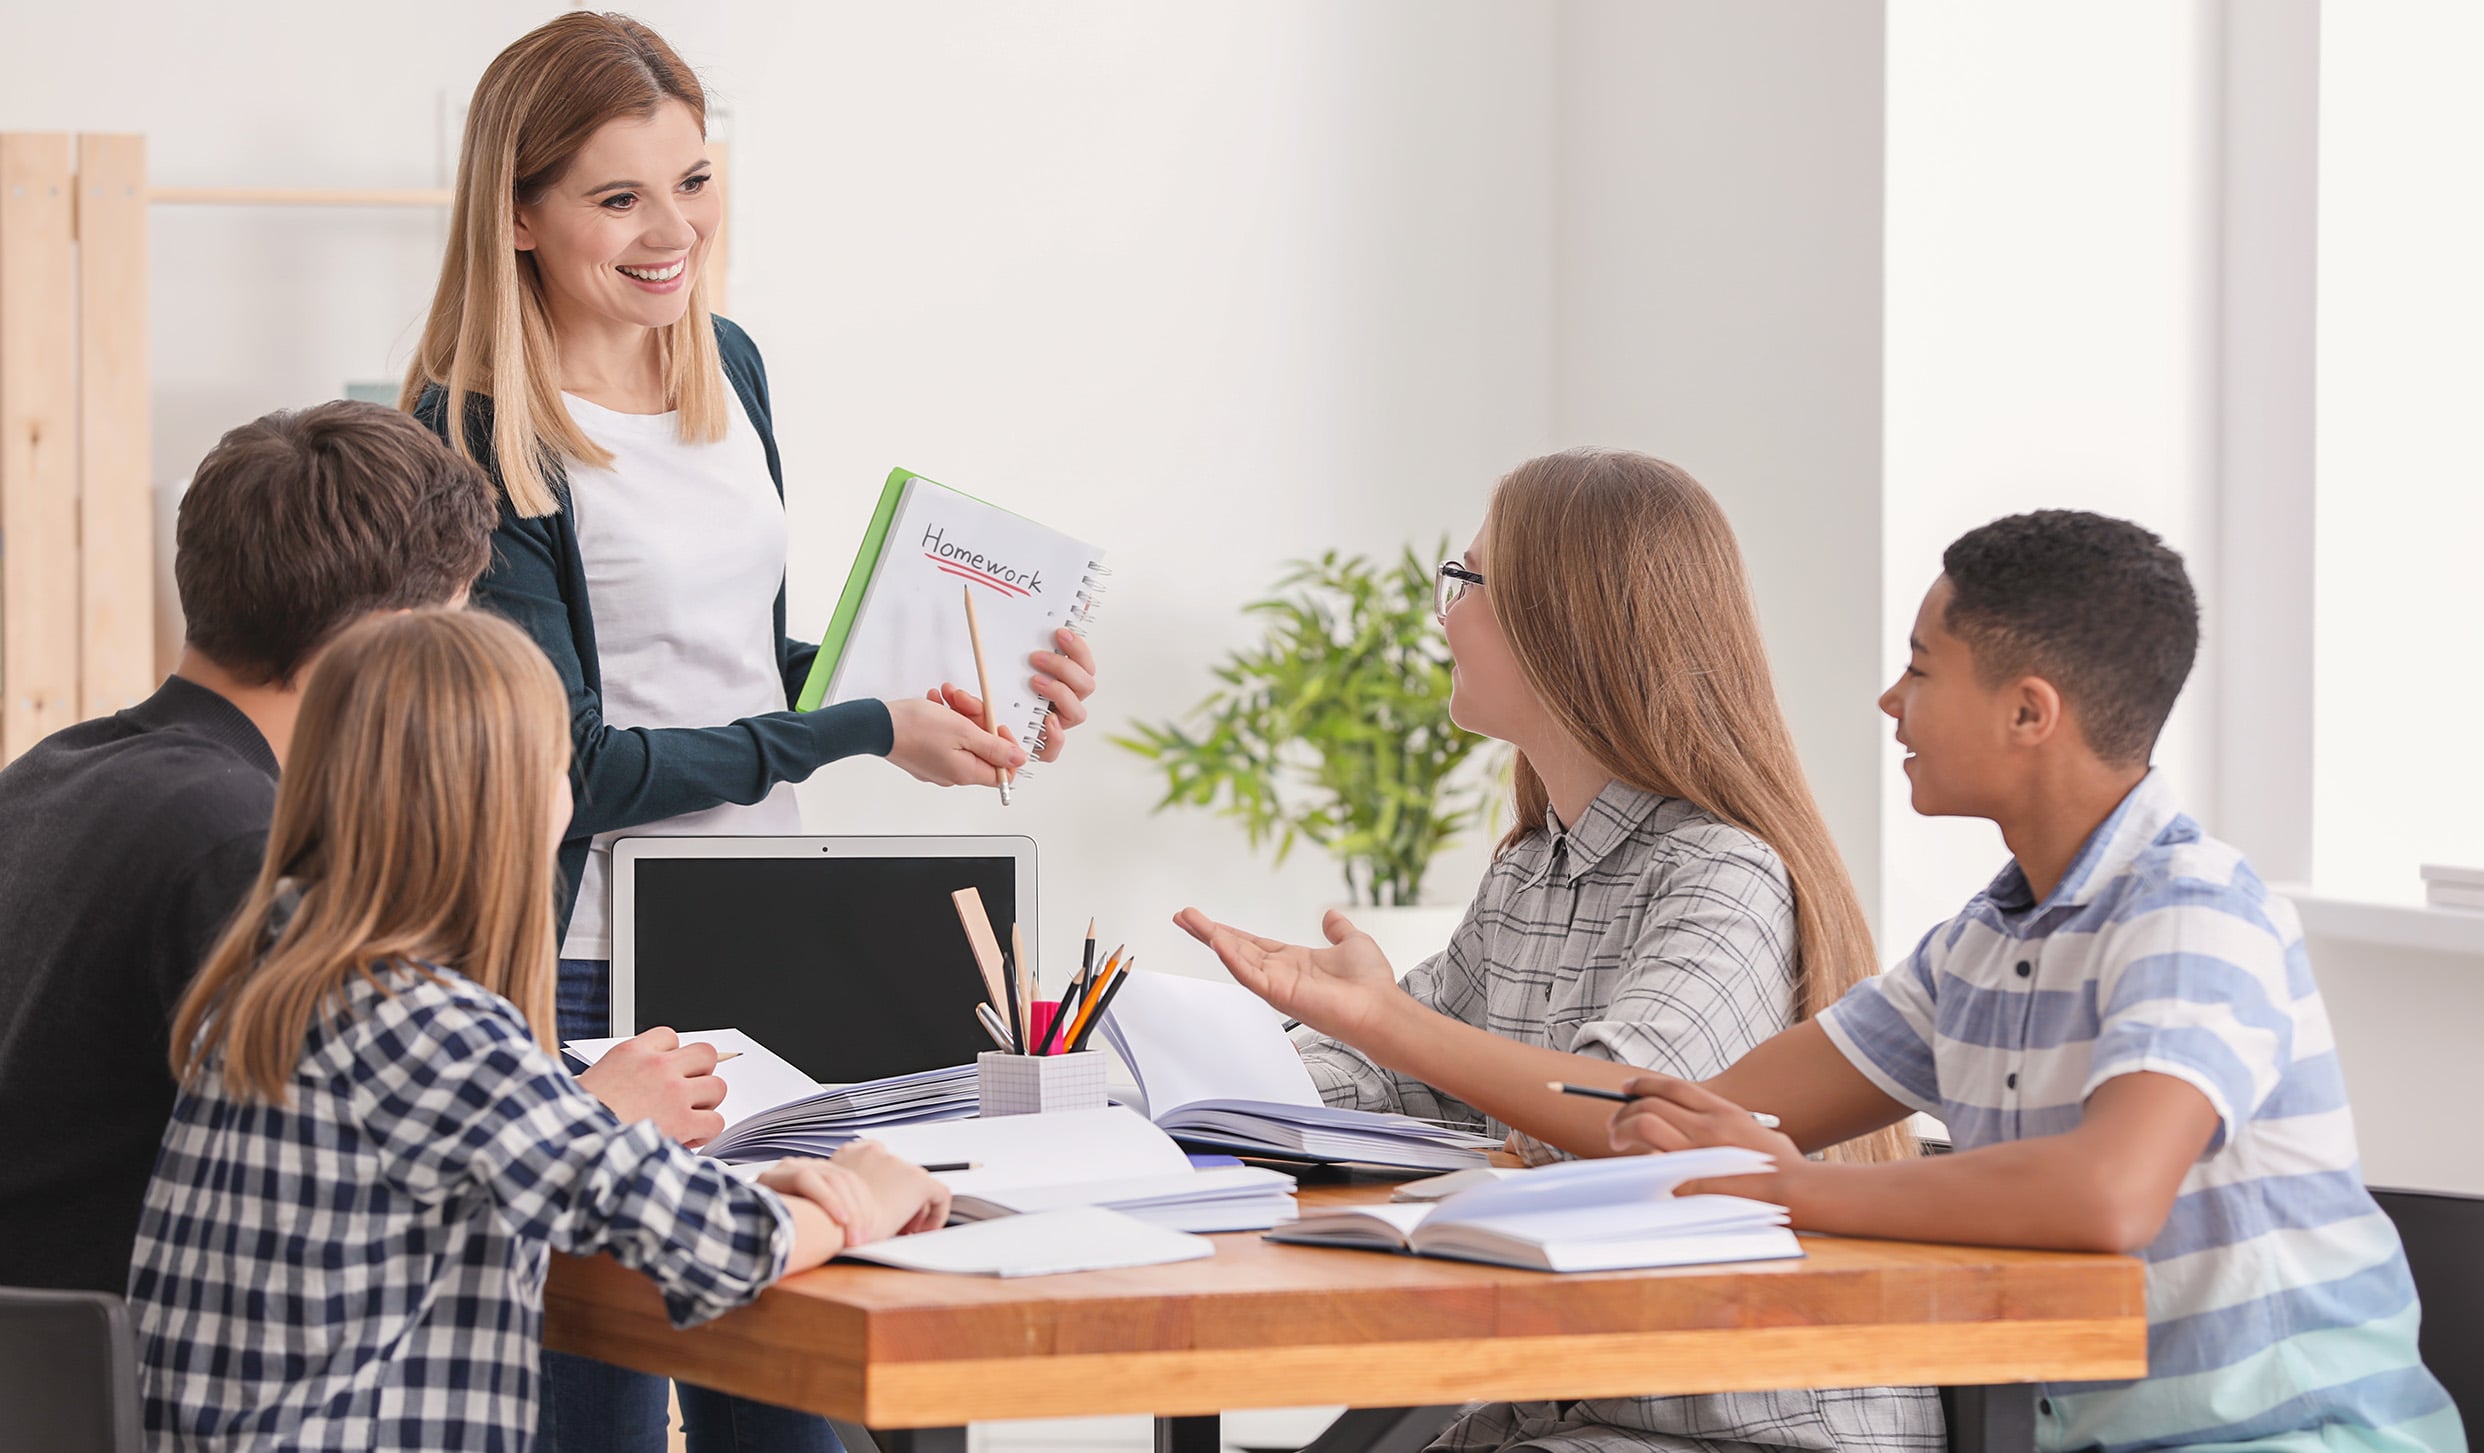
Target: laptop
[[842, 954]]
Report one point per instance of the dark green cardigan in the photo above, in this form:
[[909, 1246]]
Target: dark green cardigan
[[624, 777]]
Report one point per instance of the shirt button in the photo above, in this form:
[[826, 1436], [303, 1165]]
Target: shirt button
[[2013, 1079], [2044, 1406], [2025, 968]]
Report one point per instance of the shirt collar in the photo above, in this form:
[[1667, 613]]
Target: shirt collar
[[2134, 823], [181, 704], [1616, 814]]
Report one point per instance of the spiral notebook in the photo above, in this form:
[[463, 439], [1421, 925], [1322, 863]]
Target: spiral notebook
[[900, 625]]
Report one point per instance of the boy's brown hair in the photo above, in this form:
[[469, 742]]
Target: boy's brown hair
[[301, 522]]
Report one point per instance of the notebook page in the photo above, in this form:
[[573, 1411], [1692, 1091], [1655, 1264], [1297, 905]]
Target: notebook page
[[756, 1079], [910, 633], [1188, 1040]]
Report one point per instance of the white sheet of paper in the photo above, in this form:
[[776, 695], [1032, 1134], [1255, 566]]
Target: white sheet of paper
[[756, 1079], [1200, 1039], [1111, 1144], [1081, 1238]]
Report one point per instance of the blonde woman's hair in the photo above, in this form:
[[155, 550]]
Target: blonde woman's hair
[[1617, 582], [413, 821], [489, 332]]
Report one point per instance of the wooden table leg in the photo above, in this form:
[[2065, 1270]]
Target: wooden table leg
[[1997, 1419], [920, 1440], [1189, 1435], [1382, 1430]]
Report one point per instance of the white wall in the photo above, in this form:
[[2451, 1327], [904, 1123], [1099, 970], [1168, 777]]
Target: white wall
[[2052, 331], [1217, 285], [1719, 257]]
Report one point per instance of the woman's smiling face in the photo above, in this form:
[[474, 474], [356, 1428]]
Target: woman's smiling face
[[620, 237]]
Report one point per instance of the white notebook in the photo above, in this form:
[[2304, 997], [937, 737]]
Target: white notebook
[[1217, 1070], [900, 624], [1583, 1215]]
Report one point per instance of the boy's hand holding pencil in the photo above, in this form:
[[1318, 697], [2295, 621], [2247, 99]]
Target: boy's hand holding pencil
[[1664, 1113]]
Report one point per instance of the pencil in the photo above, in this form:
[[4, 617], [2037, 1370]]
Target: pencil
[[943, 1166], [1103, 1002], [983, 682], [1069, 993], [1590, 1092], [728, 1054], [1086, 1002]]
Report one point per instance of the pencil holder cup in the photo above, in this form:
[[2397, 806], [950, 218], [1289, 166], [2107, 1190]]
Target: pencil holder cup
[[1026, 1084]]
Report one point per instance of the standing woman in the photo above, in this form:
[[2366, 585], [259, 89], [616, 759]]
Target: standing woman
[[641, 542]]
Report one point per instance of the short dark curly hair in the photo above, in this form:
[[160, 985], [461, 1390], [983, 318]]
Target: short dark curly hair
[[2099, 607]]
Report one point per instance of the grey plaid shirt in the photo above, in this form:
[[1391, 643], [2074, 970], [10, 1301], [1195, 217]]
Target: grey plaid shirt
[[1649, 934]]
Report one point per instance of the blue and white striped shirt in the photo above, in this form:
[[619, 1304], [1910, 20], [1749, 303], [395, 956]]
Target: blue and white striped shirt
[[2280, 1312]]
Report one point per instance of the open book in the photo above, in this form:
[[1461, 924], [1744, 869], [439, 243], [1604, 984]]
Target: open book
[[1581, 1215], [1217, 1069], [1028, 1164], [772, 1109], [900, 625]]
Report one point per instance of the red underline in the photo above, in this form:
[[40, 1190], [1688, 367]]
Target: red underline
[[977, 576]]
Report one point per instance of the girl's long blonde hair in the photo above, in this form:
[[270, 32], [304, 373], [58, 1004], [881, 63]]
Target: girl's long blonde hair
[[1617, 582], [413, 820], [489, 332]]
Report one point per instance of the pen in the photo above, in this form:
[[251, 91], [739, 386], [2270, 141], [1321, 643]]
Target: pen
[[1590, 1092], [990, 1019]]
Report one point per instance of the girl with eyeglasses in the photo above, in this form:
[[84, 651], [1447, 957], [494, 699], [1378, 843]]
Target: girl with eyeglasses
[[1667, 897]]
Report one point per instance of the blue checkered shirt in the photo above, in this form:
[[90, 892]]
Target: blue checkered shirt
[[362, 1267]]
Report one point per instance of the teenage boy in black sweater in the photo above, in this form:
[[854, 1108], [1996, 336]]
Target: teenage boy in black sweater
[[126, 842]]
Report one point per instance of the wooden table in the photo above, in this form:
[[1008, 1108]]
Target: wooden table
[[915, 1358]]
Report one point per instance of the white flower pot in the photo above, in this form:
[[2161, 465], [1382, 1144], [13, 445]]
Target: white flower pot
[[1407, 935]]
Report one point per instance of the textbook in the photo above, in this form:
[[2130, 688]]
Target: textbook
[[1580, 1215], [1112, 1157], [1217, 1070], [900, 624], [772, 1109]]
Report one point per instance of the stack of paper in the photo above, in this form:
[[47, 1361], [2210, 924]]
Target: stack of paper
[[1030, 1164], [772, 1109], [1082, 1238], [1217, 1070], [1585, 1215]]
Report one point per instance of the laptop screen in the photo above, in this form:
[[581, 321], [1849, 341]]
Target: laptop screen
[[852, 968]]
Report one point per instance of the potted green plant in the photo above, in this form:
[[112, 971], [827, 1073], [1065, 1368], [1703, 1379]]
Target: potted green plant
[[1334, 729]]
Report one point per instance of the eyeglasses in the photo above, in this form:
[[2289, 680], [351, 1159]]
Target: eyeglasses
[[1450, 587]]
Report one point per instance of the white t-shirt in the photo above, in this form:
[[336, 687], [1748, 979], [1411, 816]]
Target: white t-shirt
[[684, 546]]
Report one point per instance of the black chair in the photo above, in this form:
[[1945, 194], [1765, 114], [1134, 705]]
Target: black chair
[[2444, 1238], [68, 1372]]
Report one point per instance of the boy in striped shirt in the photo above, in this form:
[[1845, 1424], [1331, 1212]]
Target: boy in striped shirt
[[2121, 1031]]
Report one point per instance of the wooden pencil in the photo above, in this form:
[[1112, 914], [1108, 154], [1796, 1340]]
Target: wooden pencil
[[1103, 1002], [983, 682]]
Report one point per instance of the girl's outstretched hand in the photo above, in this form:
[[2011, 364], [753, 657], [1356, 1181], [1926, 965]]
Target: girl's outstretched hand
[[1344, 991]]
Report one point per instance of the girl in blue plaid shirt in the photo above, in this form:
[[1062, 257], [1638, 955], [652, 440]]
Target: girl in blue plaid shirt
[[374, 1148]]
